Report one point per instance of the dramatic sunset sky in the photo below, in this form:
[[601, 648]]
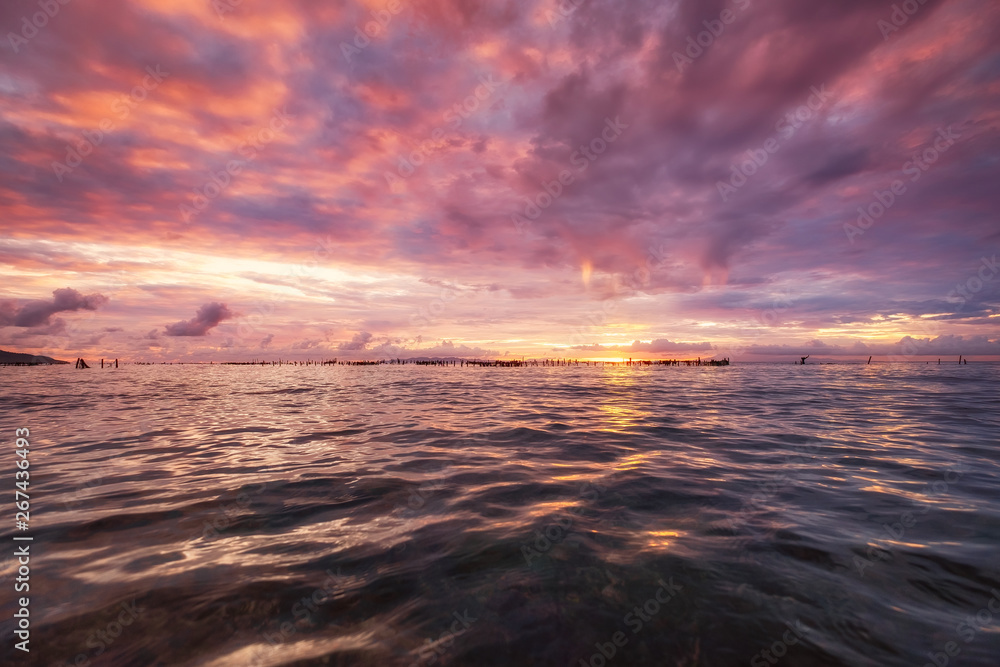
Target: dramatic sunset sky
[[230, 179]]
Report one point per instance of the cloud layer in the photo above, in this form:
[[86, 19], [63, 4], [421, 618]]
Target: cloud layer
[[515, 176]]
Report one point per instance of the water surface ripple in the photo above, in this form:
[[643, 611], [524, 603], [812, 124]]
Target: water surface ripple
[[219, 515]]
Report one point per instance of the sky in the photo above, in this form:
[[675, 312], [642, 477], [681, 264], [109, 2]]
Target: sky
[[198, 180]]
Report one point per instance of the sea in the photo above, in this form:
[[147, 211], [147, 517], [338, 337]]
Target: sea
[[755, 514]]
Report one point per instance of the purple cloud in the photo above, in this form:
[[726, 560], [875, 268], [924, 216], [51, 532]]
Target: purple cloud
[[37, 313], [358, 342], [208, 316]]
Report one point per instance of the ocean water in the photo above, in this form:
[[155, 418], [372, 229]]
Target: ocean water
[[743, 515]]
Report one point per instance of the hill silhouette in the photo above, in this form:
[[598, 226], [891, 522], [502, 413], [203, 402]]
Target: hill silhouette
[[27, 359]]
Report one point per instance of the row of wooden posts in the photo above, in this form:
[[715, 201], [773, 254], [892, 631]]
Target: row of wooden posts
[[497, 363], [80, 363], [960, 361]]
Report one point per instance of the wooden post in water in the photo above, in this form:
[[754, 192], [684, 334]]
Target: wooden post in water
[[869, 361]]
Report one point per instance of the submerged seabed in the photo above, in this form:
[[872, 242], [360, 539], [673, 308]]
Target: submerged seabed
[[192, 515]]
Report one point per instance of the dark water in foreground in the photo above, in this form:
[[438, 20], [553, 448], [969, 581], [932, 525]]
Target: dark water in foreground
[[387, 516]]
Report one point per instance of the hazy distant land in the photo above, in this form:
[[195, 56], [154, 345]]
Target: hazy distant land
[[24, 358]]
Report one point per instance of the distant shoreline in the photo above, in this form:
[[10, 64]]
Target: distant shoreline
[[500, 363]]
